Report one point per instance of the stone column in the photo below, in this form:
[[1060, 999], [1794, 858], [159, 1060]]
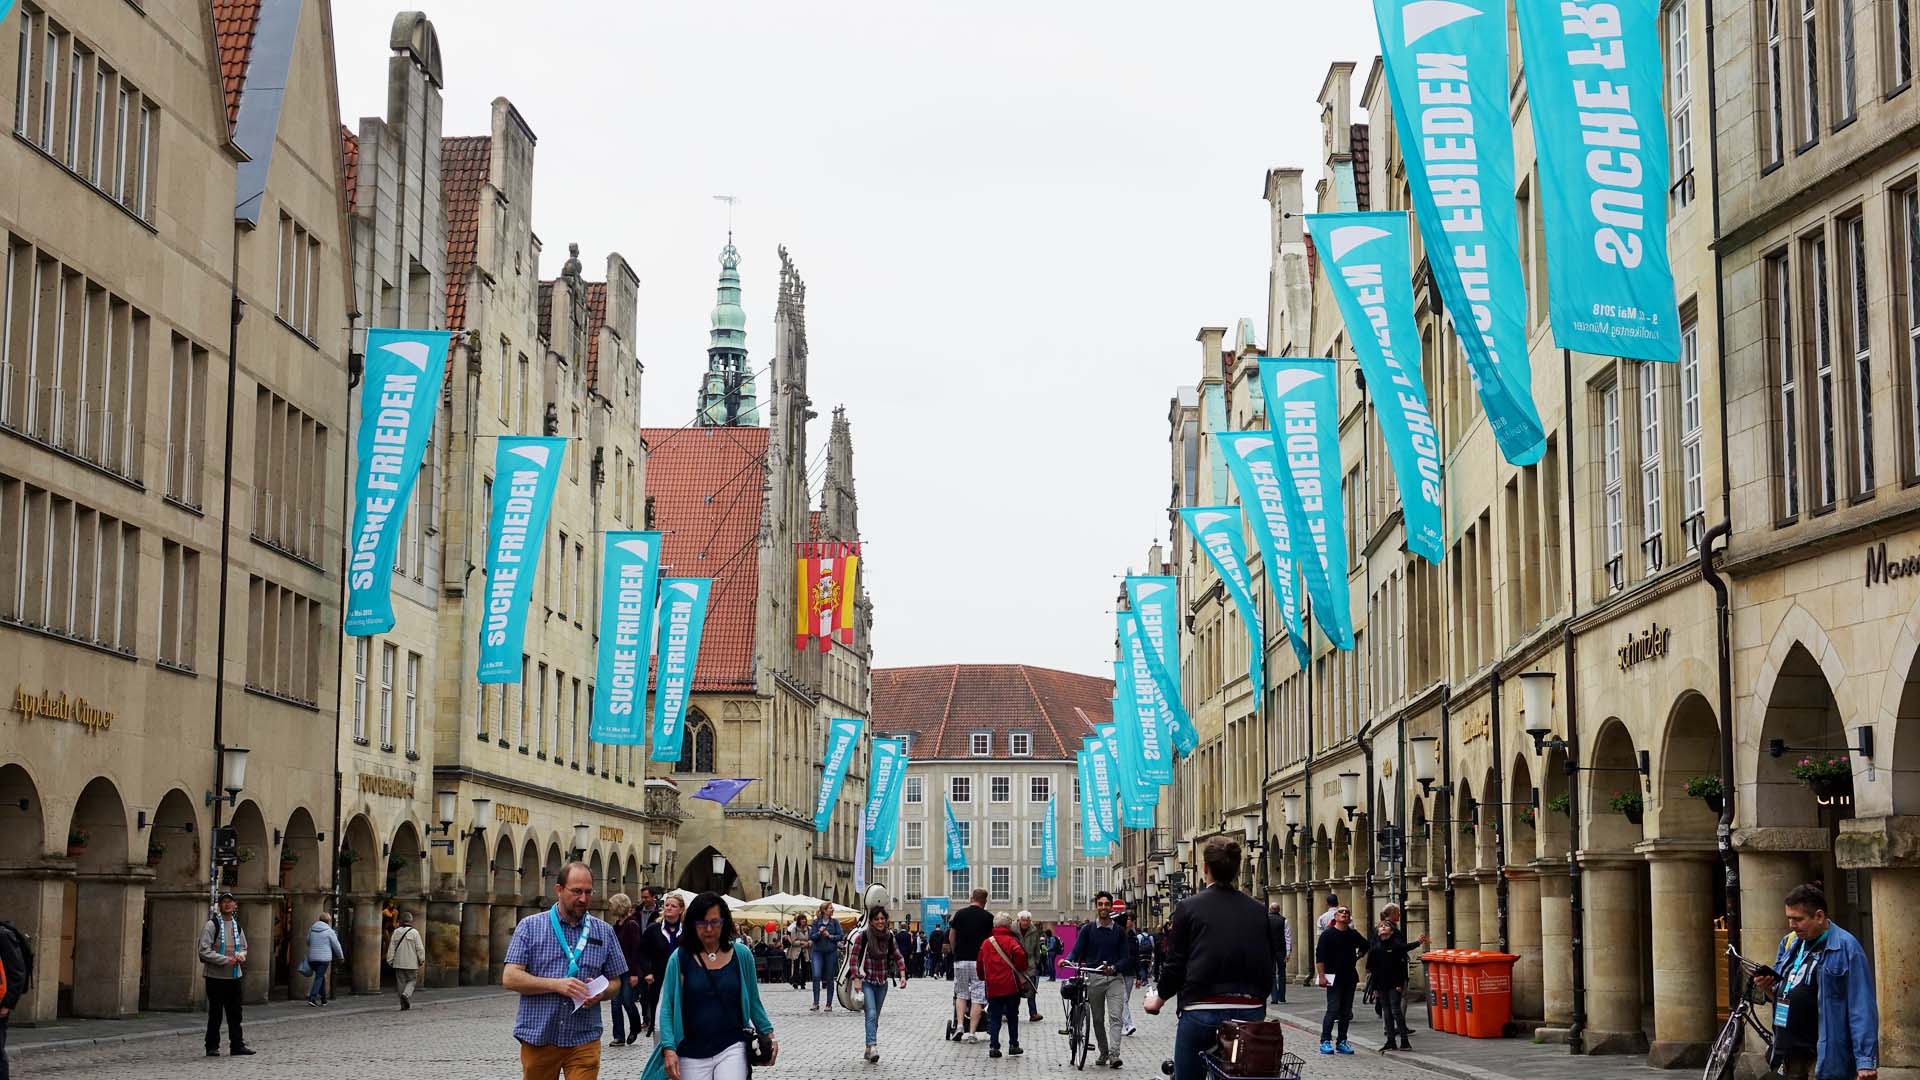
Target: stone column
[[363, 954], [1417, 924], [1896, 972], [1466, 911], [1489, 929], [306, 911], [255, 913], [1556, 947], [499, 935], [476, 941], [173, 968], [1684, 1023], [109, 910], [1523, 938], [1436, 911], [443, 944], [34, 900], [1612, 939]]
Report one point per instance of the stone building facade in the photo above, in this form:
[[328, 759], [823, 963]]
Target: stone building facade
[[176, 286], [996, 741]]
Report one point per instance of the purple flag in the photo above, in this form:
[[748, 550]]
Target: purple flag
[[721, 791]]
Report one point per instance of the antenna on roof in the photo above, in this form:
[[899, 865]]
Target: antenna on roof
[[729, 200]]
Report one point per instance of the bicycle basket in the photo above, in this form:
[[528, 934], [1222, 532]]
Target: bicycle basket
[[1073, 990]]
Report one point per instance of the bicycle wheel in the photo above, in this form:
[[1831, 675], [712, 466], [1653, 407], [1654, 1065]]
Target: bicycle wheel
[[1077, 1041], [1726, 1050]]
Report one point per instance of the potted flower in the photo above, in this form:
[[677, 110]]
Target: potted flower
[[348, 857], [1466, 828], [288, 857], [244, 854], [1561, 804], [1630, 804], [155, 852], [1529, 816], [76, 842], [1827, 776], [1707, 789]]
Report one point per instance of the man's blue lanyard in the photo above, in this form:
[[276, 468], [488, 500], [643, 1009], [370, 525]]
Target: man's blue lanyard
[[1800, 968], [573, 951]]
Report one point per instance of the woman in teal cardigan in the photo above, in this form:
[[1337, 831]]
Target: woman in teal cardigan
[[700, 1026]]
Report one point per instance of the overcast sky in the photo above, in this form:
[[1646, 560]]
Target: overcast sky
[[1012, 220]]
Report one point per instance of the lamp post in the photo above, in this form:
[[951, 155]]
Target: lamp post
[[766, 878], [582, 836]]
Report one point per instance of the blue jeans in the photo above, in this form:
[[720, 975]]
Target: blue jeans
[[317, 990], [875, 997], [626, 1011], [1339, 1011], [1003, 1010], [1196, 1034], [824, 964]]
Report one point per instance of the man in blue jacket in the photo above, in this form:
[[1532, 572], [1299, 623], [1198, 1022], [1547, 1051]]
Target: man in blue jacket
[[1826, 1024]]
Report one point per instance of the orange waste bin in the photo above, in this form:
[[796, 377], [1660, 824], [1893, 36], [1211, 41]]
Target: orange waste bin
[[1431, 960], [1457, 990], [1488, 994], [1444, 972]]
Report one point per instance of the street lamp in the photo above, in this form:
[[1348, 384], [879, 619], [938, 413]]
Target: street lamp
[[582, 835], [719, 866], [766, 878], [653, 856], [233, 775], [1350, 794], [1536, 702], [443, 804], [480, 808], [1290, 811], [1426, 756]]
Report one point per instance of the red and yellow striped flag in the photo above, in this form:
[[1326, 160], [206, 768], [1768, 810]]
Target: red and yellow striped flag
[[826, 575]]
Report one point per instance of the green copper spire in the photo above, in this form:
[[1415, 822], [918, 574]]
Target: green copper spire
[[727, 397]]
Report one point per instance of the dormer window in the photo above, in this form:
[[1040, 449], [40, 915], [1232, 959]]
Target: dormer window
[[1020, 744], [980, 744]]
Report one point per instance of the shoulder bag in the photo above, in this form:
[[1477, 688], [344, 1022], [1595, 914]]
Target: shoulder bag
[[759, 1043], [1020, 980]]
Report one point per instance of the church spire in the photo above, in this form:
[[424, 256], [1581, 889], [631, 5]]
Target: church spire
[[727, 397]]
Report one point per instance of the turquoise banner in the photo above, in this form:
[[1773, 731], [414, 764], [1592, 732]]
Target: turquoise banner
[[885, 779], [1221, 533], [683, 620], [1254, 465], [525, 470], [1137, 797], [1446, 65], [1156, 607], [956, 847], [629, 583], [1595, 86], [399, 398], [843, 740], [1093, 839], [1136, 706], [1049, 844], [1304, 408], [1369, 271], [1106, 786]]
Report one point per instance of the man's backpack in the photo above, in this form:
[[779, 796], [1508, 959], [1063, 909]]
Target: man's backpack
[[24, 945]]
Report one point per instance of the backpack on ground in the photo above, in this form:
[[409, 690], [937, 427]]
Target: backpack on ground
[[24, 944]]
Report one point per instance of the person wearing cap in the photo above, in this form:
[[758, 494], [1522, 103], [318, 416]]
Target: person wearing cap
[[223, 953], [406, 955], [1104, 953]]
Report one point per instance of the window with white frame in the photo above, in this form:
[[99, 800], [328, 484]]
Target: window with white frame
[[1902, 51], [1039, 788], [959, 883], [1000, 883], [1613, 495], [1779, 285], [1000, 789], [915, 887], [980, 744], [1853, 238], [916, 832], [1020, 744], [1845, 55], [1039, 886], [1036, 834], [1000, 834], [1652, 503], [1076, 789], [960, 789], [964, 829], [1776, 82], [1080, 896], [1680, 96], [361, 649], [389, 658], [916, 791], [1809, 71], [412, 731], [1825, 429], [1693, 466], [1906, 240]]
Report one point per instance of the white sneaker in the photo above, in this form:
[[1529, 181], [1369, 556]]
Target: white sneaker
[[972, 1037], [1130, 1030]]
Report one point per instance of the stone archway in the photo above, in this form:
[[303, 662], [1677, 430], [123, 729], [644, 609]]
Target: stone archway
[[1616, 895], [531, 891], [176, 904], [363, 873], [99, 968], [1685, 892], [406, 865], [1523, 889], [23, 846], [504, 913], [304, 883], [697, 876]]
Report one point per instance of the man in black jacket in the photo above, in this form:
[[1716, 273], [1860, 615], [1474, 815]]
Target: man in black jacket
[[1221, 953]]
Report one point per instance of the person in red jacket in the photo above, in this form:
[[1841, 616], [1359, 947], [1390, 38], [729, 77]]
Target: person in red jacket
[[1003, 965]]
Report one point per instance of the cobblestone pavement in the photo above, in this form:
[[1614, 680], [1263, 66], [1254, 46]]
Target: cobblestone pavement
[[467, 1037]]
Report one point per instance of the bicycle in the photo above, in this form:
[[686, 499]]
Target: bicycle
[[1726, 1048], [1079, 1015]]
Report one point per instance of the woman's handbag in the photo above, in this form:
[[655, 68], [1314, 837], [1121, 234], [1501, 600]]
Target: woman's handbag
[[759, 1044], [1021, 981], [305, 968]]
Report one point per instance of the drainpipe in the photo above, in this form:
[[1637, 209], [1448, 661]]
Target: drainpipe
[[1366, 749], [1400, 805], [237, 312], [1446, 784], [1723, 833], [1499, 817], [1571, 675]]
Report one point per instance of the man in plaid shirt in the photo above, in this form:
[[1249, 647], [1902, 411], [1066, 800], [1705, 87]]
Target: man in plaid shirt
[[550, 962]]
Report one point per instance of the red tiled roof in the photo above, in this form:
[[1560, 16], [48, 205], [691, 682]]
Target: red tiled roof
[[596, 319], [1359, 139], [706, 485], [940, 706], [234, 23], [813, 524], [464, 162], [350, 158]]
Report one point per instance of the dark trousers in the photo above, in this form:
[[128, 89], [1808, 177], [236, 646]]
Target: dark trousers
[[649, 1000], [1003, 1008], [1196, 1034], [3, 1047], [223, 999], [1393, 1011], [626, 1015], [1279, 982], [1339, 1011]]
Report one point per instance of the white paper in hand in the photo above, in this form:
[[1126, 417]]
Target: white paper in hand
[[594, 989]]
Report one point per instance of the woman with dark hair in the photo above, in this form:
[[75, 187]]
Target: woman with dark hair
[[876, 959], [709, 1001], [826, 935]]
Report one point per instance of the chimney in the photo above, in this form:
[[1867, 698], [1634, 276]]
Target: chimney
[[1336, 111], [1210, 338]]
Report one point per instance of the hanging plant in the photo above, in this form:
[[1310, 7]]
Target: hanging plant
[[155, 852], [348, 857], [1466, 828], [1529, 816], [1827, 776], [244, 855], [1630, 804], [76, 842], [288, 858], [1561, 804], [1708, 790]]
